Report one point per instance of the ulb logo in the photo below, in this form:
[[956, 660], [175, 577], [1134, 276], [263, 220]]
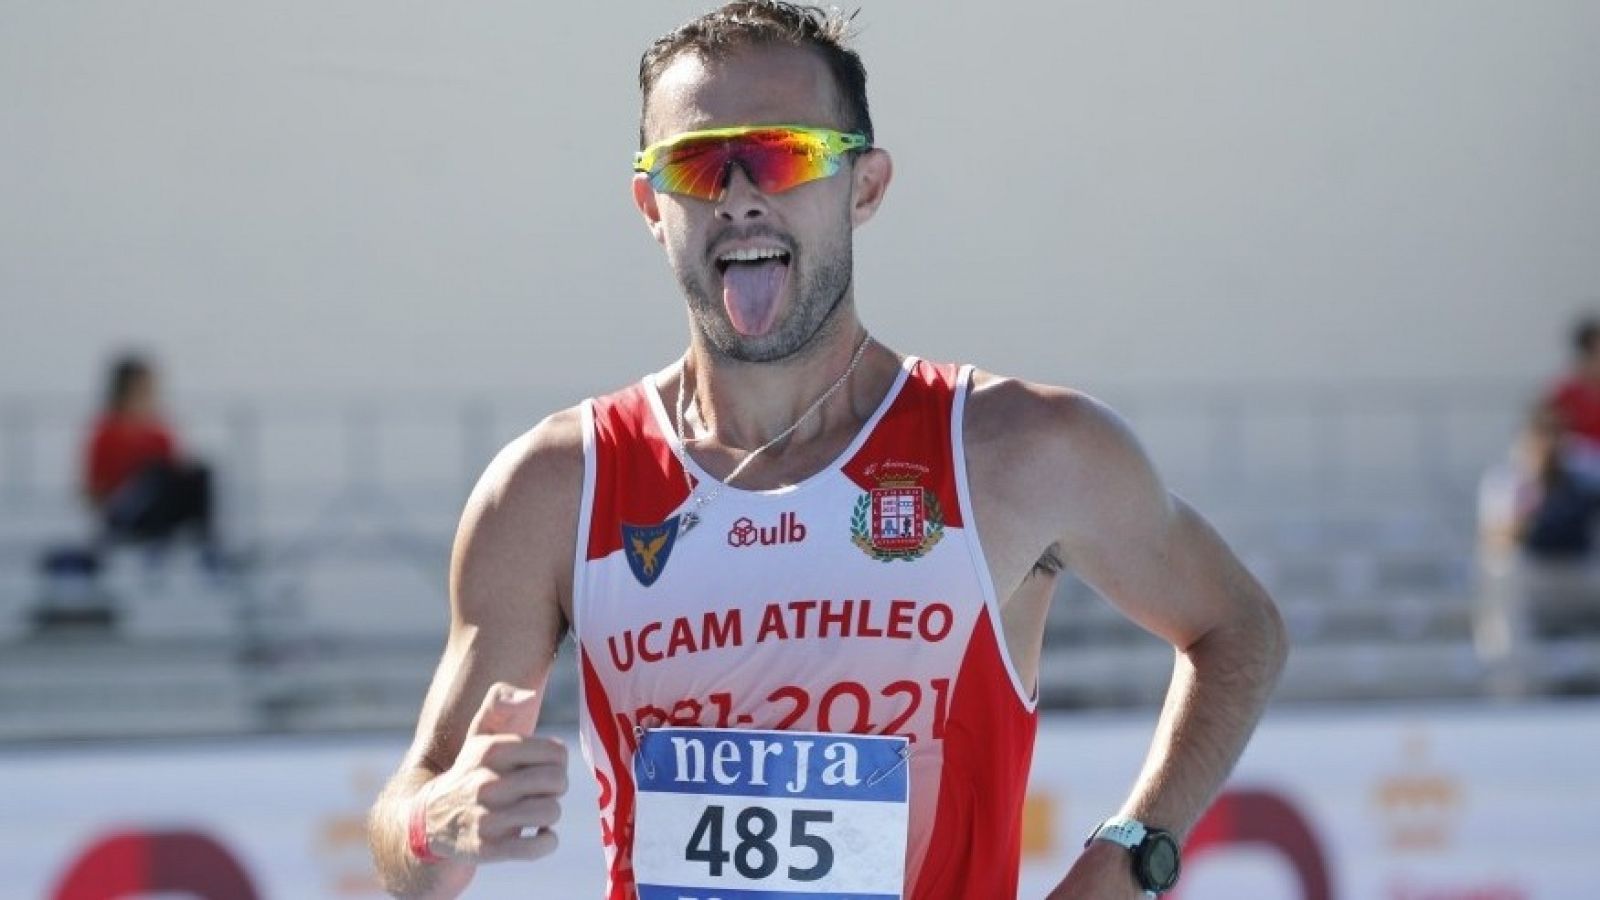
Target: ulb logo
[[648, 547], [746, 533]]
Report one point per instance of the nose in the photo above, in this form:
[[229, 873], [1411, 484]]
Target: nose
[[741, 199]]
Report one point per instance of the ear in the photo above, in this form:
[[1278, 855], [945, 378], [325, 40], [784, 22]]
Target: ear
[[644, 197], [869, 182]]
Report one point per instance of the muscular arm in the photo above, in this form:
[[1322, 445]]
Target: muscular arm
[[1161, 564], [1077, 473], [510, 591]]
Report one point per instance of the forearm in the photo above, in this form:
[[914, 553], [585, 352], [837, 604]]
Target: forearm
[[1220, 685], [399, 870]]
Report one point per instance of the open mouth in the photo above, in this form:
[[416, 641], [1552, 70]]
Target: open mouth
[[752, 287]]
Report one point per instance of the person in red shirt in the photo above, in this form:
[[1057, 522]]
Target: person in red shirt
[[1566, 478], [1575, 401], [135, 478]]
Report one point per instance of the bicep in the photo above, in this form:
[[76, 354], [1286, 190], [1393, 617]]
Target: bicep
[[1148, 552], [1174, 576]]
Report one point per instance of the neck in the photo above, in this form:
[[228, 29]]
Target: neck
[[745, 405]]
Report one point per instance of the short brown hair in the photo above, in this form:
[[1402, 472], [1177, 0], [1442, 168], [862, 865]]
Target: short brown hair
[[755, 23]]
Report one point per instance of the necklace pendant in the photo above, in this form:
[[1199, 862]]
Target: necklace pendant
[[690, 520]]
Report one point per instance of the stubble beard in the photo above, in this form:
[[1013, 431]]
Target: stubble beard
[[810, 319]]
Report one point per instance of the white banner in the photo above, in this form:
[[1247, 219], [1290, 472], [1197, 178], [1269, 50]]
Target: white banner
[[1408, 804], [1465, 803]]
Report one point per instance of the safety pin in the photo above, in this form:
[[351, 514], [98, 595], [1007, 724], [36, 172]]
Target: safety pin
[[649, 765], [904, 754]]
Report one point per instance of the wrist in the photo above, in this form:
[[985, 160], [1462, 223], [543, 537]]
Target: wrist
[[417, 829], [1153, 853]]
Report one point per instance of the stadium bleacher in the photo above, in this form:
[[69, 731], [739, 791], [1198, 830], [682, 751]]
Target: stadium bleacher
[[337, 619]]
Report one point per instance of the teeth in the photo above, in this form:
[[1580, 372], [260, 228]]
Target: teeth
[[751, 255]]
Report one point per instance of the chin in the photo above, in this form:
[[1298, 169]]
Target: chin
[[765, 348]]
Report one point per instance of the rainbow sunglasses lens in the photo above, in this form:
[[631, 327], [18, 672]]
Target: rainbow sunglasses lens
[[775, 157]]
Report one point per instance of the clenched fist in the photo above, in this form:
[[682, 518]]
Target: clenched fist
[[502, 797]]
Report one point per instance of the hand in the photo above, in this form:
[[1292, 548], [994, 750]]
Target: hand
[[1104, 871], [501, 798]]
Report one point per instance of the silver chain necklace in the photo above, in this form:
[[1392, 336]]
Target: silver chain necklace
[[692, 517]]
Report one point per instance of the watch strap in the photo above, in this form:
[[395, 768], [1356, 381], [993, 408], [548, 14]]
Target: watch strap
[[1125, 832], [1120, 830]]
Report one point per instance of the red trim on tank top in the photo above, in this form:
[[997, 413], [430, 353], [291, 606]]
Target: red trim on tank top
[[637, 476], [619, 828], [916, 430], [975, 850]]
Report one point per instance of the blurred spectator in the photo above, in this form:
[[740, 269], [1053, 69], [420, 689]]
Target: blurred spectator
[[1544, 500], [1527, 501], [140, 484], [1574, 401]]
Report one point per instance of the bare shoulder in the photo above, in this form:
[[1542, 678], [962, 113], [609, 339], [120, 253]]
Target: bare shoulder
[[518, 533], [1050, 468], [544, 460], [1057, 439]]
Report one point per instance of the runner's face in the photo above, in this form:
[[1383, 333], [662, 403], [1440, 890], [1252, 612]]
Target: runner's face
[[770, 308]]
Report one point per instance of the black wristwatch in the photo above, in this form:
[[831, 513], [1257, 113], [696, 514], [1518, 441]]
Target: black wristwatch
[[1155, 852]]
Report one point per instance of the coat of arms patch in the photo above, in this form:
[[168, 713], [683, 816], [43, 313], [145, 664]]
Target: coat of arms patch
[[898, 519]]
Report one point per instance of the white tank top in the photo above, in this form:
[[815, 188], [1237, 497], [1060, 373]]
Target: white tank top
[[856, 601]]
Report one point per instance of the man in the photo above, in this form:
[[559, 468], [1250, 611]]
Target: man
[[801, 669]]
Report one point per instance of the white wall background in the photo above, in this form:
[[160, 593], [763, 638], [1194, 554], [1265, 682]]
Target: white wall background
[[320, 197]]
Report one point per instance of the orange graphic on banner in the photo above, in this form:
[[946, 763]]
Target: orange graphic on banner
[[1038, 825], [1418, 804]]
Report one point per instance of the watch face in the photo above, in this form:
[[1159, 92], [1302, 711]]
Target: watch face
[[1158, 861]]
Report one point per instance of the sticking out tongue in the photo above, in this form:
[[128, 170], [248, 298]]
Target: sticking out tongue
[[751, 292]]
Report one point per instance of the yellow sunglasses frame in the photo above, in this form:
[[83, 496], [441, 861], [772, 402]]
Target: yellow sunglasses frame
[[835, 142]]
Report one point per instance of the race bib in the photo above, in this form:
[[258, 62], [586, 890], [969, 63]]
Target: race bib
[[769, 815]]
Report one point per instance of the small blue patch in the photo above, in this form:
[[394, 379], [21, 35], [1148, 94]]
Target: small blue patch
[[648, 547]]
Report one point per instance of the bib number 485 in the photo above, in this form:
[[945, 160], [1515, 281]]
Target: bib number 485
[[755, 855]]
